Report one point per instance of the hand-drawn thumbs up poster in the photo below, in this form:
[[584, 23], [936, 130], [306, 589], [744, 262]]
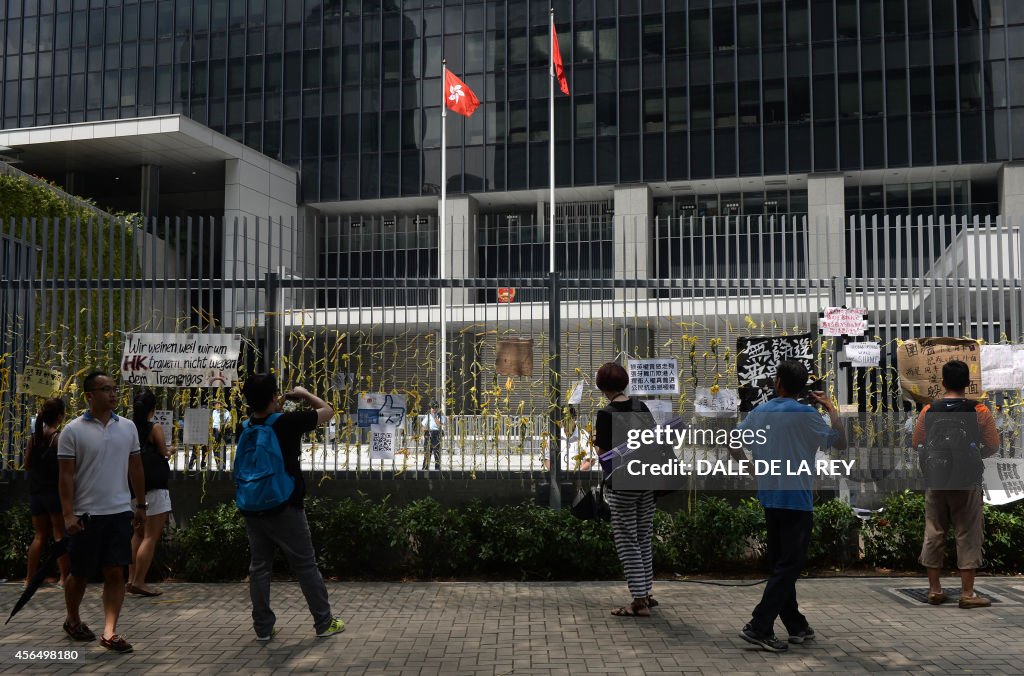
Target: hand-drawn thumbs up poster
[[757, 359]]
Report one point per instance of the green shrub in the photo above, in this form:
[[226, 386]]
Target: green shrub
[[1004, 537], [16, 535], [712, 536], [355, 537], [893, 538], [440, 540], [834, 538], [213, 546]]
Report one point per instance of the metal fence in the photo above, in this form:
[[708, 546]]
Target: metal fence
[[347, 306]]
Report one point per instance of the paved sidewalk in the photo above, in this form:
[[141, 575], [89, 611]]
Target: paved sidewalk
[[527, 628]]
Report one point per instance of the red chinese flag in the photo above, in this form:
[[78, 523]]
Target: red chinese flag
[[459, 97], [556, 58]]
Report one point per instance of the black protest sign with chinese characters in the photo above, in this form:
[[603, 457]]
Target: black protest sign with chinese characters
[[756, 361]]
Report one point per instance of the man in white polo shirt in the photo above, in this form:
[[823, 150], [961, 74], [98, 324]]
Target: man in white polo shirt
[[97, 454]]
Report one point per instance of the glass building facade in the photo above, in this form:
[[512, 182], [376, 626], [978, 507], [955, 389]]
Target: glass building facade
[[348, 91]]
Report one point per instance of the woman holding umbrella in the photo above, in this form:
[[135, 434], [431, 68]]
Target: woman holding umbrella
[[44, 499]]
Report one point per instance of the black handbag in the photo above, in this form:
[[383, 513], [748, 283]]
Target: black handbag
[[590, 505]]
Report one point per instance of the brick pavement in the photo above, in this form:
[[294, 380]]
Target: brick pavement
[[546, 629]]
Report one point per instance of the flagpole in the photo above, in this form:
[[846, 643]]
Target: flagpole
[[441, 236], [551, 136]]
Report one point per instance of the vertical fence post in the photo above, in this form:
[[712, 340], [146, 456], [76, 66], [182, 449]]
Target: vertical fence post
[[837, 298], [554, 388], [271, 287]]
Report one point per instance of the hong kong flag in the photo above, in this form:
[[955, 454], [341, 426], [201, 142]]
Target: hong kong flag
[[459, 97]]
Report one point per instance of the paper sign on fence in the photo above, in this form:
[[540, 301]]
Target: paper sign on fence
[[652, 376], [725, 402], [864, 354], [382, 441], [197, 426]]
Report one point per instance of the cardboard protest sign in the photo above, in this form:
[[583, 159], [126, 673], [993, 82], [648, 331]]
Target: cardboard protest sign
[[756, 361], [37, 381], [919, 363], [181, 359], [652, 376], [514, 357]]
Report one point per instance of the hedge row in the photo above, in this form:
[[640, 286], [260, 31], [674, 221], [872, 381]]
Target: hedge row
[[360, 538]]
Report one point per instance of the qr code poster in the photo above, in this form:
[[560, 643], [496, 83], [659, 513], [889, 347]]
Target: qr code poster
[[382, 442]]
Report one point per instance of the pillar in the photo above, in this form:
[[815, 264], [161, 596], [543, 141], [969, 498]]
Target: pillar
[[826, 226], [461, 245], [1011, 192], [632, 235]]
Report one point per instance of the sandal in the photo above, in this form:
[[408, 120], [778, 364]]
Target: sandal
[[638, 608], [651, 602], [139, 591], [79, 632]]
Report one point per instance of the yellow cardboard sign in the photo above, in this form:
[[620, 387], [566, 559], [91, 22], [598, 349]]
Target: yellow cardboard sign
[[38, 381]]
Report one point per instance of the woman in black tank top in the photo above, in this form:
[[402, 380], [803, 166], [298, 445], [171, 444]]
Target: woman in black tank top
[[44, 497]]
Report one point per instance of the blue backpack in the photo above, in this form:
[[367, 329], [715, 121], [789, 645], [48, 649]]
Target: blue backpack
[[261, 481]]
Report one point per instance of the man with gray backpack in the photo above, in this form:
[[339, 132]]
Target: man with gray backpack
[[270, 493], [952, 435]]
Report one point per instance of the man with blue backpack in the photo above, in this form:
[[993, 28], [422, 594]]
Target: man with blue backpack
[[270, 493]]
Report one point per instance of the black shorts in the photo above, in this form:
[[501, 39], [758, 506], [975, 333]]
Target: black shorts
[[44, 504], [105, 541]]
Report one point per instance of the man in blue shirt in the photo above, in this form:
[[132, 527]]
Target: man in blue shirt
[[792, 433]]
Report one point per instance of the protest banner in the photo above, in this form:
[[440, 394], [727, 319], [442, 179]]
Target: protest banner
[[181, 359], [758, 357]]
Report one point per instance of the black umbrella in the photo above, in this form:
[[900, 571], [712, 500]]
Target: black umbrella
[[58, 550]]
